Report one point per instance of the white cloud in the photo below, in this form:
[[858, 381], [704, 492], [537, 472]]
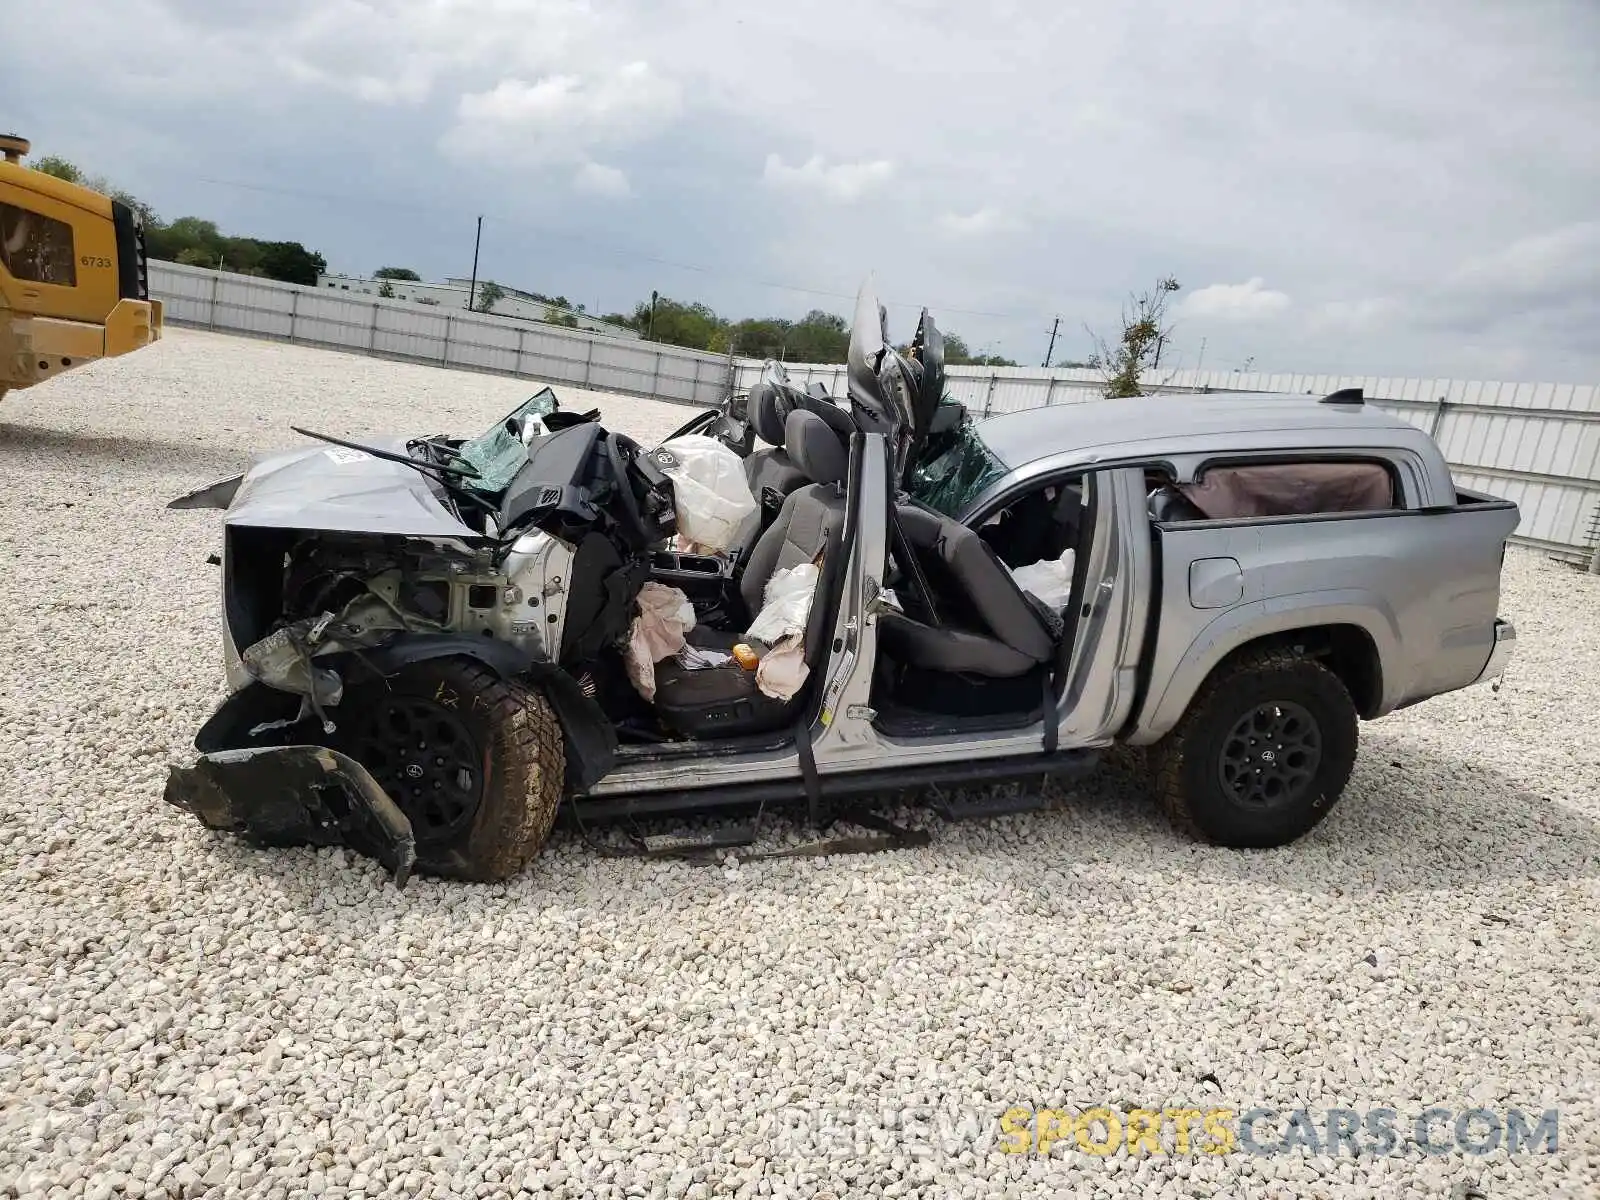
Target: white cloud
[[596, 179], [1251, 300], [1154, 154], [1356, 316], [844, 181], [983, 222], [1535, 267], [561, 117]]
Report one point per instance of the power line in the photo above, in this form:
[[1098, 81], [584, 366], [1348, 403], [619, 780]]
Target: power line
[[609, 248]]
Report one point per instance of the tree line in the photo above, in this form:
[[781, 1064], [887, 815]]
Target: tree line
[[817, 337], [199, 242]]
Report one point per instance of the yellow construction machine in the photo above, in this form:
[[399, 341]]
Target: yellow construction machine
[[73, 284]]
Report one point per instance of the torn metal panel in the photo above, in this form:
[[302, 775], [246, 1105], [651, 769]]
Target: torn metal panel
[[218, 494], [296, 796]]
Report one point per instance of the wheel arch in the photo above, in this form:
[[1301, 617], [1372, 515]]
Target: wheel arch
[[591, 739], [1348, 647]]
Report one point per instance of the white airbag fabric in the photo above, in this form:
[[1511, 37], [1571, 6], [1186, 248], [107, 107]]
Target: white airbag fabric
[[781, 624], [1049, 579], [664, 616], [713, 500]]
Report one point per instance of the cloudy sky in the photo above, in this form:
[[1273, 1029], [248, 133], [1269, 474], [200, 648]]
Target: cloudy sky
[[1356, 186]]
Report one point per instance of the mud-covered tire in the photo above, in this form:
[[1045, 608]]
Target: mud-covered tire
[[516, 742], [1192, 765]]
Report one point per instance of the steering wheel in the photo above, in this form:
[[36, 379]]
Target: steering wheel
[[620, 451]]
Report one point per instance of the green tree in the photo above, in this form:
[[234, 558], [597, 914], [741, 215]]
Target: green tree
[[490, 293], [291, 262], [397, 273], [58, 167], [691, 325], [386, 290], [820, 337], [554, 316], [1144, 336]]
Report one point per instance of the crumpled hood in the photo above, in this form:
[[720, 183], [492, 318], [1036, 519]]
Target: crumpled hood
[[333, 489]]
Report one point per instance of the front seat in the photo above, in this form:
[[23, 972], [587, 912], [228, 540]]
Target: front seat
[[724, 701], [773, 474], [771, 470], [987, 626]]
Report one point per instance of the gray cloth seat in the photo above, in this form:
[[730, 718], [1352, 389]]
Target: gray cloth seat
[[724, 701], [772, 470], [987, 625], [773, 475], [1040, 526]]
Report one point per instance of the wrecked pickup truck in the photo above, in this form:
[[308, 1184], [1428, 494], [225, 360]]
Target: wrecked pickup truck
[[433, 644]]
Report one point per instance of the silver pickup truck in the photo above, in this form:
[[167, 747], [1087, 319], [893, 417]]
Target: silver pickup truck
[[425, 637]]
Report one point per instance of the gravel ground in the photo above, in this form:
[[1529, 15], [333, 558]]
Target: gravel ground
[[182, 1015]]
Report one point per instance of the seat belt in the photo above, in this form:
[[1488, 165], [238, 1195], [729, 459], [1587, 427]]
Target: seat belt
[[1052, 714], [808, 773], [908, 558]]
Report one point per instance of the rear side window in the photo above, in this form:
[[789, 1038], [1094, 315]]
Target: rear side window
[[1291, 489], [36, 248], [1279, 489]]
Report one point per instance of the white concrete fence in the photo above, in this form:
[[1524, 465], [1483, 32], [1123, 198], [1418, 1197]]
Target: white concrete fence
[[448, 338], [1535, 443]]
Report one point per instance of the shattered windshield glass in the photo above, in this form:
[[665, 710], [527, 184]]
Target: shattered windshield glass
[[498, 453], [953, 479]]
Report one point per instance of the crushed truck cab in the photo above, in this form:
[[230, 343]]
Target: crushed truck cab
[[489, 630]]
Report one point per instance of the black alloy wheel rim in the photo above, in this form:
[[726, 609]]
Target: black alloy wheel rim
[[1271, 755], [425, 758]]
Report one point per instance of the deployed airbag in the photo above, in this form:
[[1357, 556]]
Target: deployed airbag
[[664, 616], [1049, 579], [1291, 489], [712, 497]]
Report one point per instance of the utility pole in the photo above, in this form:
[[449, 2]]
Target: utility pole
[[1048, 354], [472, 289], [651, 328]]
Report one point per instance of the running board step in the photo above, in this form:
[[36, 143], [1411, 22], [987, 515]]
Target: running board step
[[986, 807]]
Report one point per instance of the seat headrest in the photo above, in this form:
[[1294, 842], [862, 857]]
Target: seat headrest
[[838, 420], [814, 447], [766, 416]]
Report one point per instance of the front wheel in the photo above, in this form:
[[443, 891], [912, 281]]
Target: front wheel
[[1263, 753], [475, 761]]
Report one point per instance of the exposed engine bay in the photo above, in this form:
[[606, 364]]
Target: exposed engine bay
[[536, 535]]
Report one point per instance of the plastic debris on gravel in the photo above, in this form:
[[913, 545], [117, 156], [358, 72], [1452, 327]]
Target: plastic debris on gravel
[[182, 1015]]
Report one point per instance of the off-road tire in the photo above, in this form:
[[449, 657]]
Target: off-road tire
[[1186, 764], [522, 761]]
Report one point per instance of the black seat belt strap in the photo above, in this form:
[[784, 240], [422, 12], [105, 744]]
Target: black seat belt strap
[[808, 773]]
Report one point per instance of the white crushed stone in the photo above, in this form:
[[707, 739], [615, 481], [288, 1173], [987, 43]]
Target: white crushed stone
[[181, 1015]]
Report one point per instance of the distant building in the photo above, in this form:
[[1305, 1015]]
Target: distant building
[[452, 293]]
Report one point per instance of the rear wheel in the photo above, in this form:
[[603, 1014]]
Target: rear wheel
[[475, 761], [1263, 753]]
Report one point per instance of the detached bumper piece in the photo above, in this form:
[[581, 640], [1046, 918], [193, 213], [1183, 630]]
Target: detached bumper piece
[[296, 796]]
